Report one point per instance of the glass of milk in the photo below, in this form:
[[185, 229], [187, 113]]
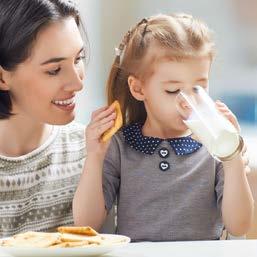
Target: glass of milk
[[211, 128]]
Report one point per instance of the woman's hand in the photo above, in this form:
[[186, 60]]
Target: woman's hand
[[101, 120]]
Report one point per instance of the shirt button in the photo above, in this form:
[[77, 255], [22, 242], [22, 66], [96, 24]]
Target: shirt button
[[164, 152], [164, 166]]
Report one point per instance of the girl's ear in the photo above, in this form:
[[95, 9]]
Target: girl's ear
[[3, 79], [136, 88]]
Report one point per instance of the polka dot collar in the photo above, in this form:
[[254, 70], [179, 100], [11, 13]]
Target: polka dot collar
[[135, 139]]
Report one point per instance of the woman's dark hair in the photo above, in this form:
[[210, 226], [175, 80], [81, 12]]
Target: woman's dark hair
[[20, 23]]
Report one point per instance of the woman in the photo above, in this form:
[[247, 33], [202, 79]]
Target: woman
[[41, 70]]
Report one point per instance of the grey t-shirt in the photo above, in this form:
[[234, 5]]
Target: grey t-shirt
[[163, 195]]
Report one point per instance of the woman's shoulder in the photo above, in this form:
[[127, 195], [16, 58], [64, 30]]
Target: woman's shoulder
[[73, 127], [73, 131], [71, 136]]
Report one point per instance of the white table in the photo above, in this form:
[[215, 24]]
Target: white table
[[222, 248]]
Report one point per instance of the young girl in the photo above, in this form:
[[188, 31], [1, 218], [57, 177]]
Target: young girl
[[41, 71], [168, 187]]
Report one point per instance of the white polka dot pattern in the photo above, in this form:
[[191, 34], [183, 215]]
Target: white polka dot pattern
[[134, 137]]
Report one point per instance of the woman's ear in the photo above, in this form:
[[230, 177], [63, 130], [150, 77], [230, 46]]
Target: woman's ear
[[136, 88], [4, 85]]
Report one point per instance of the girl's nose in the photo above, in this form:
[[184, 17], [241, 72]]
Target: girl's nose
[[183, 107]]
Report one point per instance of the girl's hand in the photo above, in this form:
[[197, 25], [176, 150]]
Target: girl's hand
[[245, 159], [232, 118], [101, 120], [223, 109]]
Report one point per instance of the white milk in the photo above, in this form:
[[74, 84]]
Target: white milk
[[218, 135]]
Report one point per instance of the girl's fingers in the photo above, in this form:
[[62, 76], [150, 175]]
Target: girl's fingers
[[226, 113], [98, 111], [222, 107], [244, 150], [247, 169], [218, 102], [104, 113], [224, 110], [104, 120], [102, 128], [232, 119], [95, 133], [245, 155], [245, 160]]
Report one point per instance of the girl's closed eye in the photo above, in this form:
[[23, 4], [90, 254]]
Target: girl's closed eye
[[172, 92]]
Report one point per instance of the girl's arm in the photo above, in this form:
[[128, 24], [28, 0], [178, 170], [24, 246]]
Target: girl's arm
[[88, 202], [237, 203]]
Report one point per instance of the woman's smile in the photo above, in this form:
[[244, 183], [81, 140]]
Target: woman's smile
[[67, 104]]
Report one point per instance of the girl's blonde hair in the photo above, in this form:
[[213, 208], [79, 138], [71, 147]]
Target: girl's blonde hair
[[178, 36]]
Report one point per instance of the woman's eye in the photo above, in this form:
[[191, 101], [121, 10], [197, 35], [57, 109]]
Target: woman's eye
[[172, 92], [79, 59], [53, 72]]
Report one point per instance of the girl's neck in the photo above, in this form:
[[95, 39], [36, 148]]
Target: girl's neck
[[155, 129], [19, 136]]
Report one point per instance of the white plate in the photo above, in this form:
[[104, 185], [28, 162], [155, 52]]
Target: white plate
[[69, 252]]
